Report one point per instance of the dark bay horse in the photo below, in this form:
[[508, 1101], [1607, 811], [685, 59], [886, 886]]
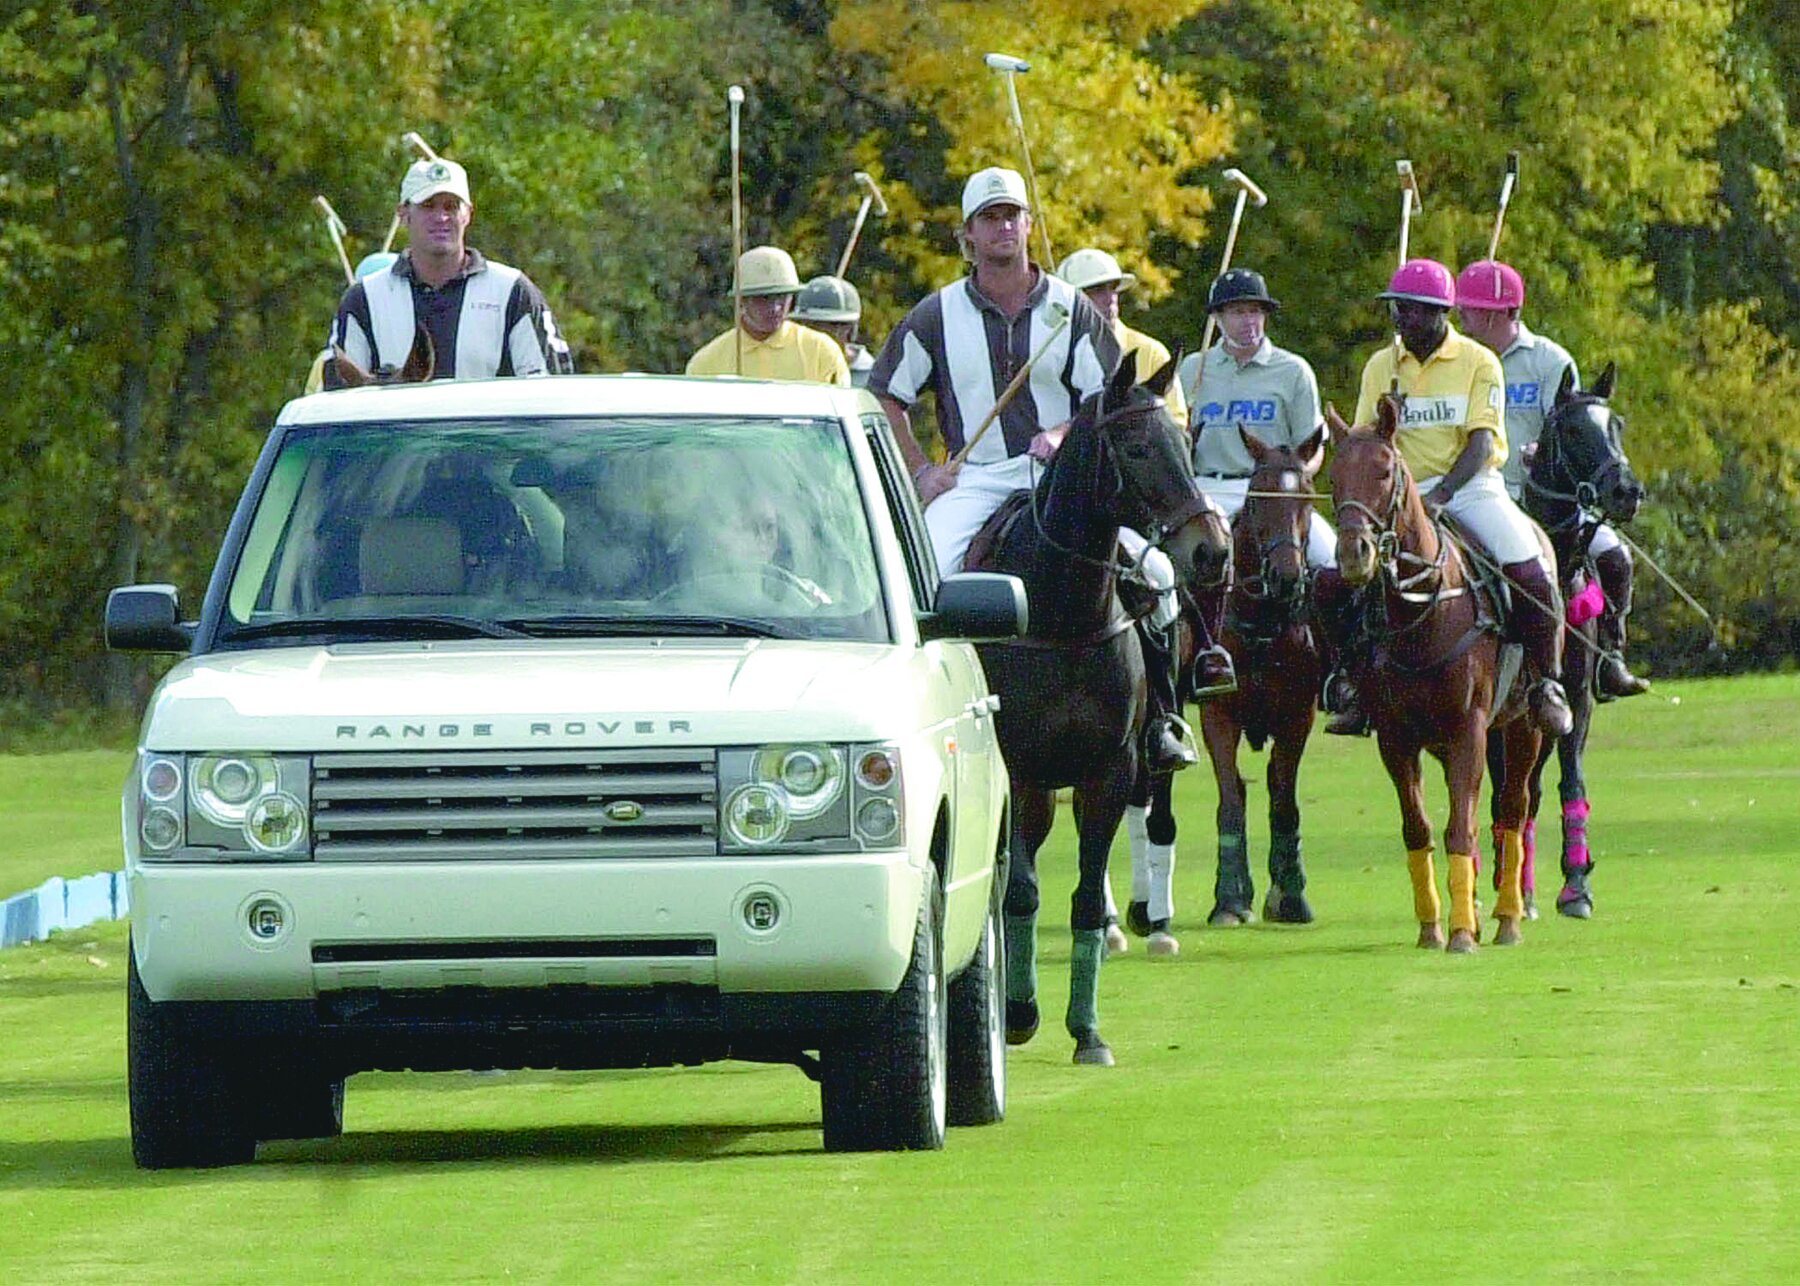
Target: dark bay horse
[[1579, 477], [1268, 630], [1429, 677], [1072, 692], [420, 364]]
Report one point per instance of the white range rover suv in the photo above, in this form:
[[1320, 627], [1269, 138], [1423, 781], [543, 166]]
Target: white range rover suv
[[578, 722]]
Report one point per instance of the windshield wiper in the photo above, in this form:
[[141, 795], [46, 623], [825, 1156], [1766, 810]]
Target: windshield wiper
[[639, 626], [435, 624]]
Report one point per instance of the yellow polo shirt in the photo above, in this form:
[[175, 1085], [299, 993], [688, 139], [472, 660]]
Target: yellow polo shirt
[[793, 352], [1450, 395], [1152, 354]]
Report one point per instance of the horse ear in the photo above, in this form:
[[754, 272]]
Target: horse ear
[[1122, 381], [1258, 450], [1387, 416], [1312, 451], [1566, 389], [1335, 421], [349, 374], [421, 362], [1165, 376], [1609, 378]]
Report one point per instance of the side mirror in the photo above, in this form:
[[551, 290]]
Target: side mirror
[[146, 618], [980, 606]]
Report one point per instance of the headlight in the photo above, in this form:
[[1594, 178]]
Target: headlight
[[224, 807], [809, 797]]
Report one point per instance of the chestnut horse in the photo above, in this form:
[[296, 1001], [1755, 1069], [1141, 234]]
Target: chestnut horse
[[1072, 691], [420, 364], [1579, 477], [1428, 675], [1268, 630]]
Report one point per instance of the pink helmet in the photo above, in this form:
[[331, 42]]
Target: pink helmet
[[1423, 281], [1490, 284]]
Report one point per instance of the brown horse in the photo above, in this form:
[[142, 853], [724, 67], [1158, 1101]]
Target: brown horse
[[1268, 630], [1429, 675], [420, 365]]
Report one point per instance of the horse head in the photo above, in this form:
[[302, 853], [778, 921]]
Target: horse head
[[420, 365], [1156, 491], [1372, 493], [1580, 457], [1269, 536]]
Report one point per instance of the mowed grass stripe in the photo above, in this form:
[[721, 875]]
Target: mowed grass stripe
[[1612, 1101]]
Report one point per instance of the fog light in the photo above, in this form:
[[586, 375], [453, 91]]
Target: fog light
[[762, 912], [161, 829], [877, 819], [266, 920]]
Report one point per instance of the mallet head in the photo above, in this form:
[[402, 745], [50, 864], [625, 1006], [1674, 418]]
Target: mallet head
[[735, 95], [1005, 62], [866, 181], [1256, 194], [419, 145]]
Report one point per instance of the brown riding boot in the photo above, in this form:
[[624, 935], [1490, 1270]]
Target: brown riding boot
[[1541, 631], [1333, 612], [1613, 678]]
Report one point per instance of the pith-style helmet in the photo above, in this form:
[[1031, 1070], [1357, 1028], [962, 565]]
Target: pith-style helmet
[[828, 299], [1092, 267], [767, 270], [1422, 281], [1490, 284]]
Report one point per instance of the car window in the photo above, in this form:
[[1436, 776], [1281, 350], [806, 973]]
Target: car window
[[545, 525], [903, 505]]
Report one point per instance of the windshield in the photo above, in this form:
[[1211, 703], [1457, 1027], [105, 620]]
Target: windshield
[[556, 527]]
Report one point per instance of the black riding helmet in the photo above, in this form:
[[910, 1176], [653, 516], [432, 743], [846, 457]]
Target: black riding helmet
[[1240, 285]]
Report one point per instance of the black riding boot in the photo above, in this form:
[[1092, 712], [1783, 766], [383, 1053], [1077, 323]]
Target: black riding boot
[[1541, 631], [1613, 678], [1334, 605], [1166, 734], [1214, 673]]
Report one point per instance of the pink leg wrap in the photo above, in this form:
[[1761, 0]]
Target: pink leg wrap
[[1585, 606], [1528, 867], [1575, 820]]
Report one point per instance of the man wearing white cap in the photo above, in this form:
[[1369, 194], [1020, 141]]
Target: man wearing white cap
[[964, 343], [771, 346], [484, 318]]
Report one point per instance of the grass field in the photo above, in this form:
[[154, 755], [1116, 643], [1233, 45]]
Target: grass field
[[1615, 1100]]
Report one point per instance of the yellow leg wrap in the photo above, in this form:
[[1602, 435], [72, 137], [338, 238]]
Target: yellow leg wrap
[[1462, 891], [1510, 904], [1426, 907]]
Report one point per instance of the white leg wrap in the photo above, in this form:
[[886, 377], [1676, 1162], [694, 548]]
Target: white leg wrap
[[1137, 831], [1161, 863]]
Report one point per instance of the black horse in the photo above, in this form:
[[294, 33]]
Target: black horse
[[1072, 692], [1579, 477]]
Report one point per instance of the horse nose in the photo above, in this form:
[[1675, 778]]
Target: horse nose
[[1627, 498]]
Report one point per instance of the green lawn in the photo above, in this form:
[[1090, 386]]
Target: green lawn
[[59, 815], [1615, 1100]]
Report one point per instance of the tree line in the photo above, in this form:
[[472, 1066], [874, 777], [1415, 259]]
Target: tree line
[[167, 279]]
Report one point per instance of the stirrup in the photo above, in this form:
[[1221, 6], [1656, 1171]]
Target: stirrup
[[1613, 679], [1550, 708], [1169, 744], [1224, 683]]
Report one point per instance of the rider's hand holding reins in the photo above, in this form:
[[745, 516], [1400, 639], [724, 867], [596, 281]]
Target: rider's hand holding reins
[[1044, 445]]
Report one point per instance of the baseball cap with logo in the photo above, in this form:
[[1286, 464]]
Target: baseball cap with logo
[[427, 178], [993, 186]]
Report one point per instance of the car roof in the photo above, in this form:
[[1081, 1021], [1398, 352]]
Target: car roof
[[576, 395]]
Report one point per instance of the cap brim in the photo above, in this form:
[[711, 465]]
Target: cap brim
[[1399, 297], [425, 194]]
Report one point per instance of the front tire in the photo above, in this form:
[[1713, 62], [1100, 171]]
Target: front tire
[[977, 1080], [187, 1095], [306, 1104], [884, 1088]]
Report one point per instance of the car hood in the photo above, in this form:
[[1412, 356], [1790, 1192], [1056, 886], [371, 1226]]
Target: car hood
[[469, 694]]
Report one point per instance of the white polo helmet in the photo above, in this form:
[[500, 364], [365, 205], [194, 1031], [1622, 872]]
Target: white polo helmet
[[767, 270], [1092, 267]]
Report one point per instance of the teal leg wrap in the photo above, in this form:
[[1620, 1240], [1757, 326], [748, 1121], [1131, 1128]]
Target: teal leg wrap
[[1084, 980], [1285, 869], [1021, 957], [1232, 883]]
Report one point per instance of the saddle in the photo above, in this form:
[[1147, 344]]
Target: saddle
[[995, 531], [1494, 610]]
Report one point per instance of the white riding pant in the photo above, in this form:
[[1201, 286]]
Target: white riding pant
[[954, 517], [1483, 506], [1156, 571], [1229, 494]]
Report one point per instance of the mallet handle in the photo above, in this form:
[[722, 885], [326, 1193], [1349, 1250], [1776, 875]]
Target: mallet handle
[[735, 98], [1212, 318], [334, 227], [856, 228]]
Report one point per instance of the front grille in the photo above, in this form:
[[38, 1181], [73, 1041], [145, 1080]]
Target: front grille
[[527, 804]]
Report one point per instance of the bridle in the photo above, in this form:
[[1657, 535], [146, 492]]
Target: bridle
[[1583, 494], [1424, 585]]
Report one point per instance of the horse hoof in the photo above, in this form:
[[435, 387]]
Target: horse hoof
[[1228, 915], [1162, 943], [1287, 908], [1506, 932], [1021, 1021], [1531, 912], [1462, 943], [1117, 944], [1137, 918], [1574, 904], [1432, 936], [1091, 1051]]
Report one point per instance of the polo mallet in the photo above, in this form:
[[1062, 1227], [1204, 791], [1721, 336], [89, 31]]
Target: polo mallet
[[1010, 67], [1011, 391], [334, 227], [735, 98], [1409, 201], [1506, 191], [419, 145], [871, 197], [1247, 191]]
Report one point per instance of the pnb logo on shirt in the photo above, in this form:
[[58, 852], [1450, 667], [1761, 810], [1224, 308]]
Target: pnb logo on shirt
[[1240, 411], [1423, 412], [1523, 394]]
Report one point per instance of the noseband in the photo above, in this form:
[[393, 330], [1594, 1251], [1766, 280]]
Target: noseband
[[1425, 586]]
